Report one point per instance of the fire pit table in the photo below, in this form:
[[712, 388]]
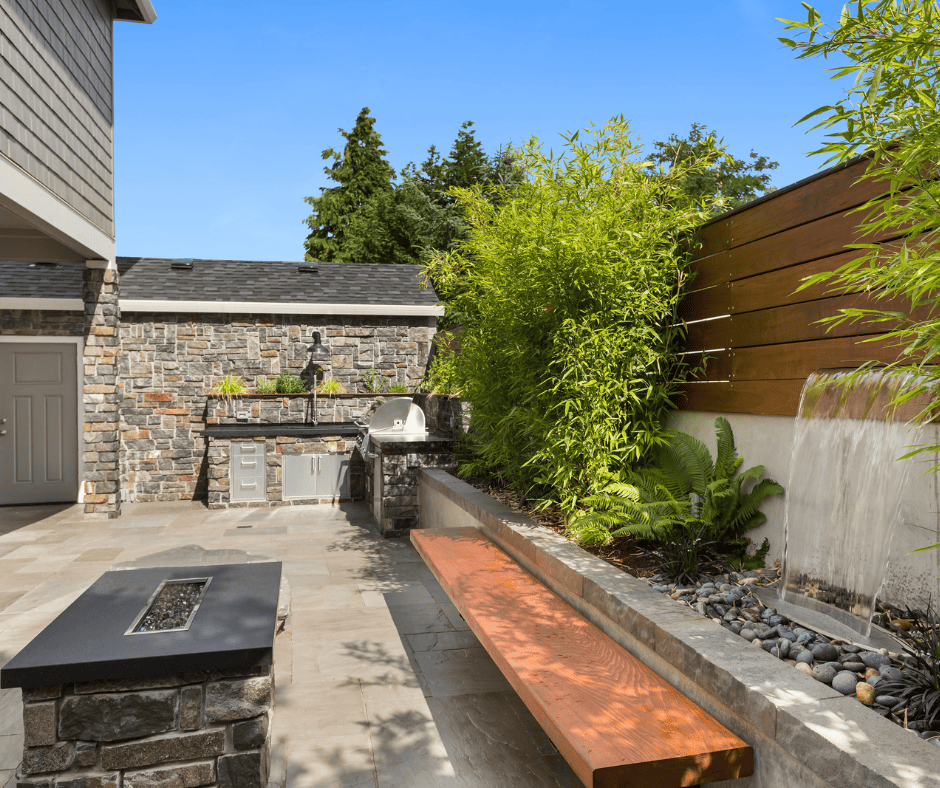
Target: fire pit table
[[158, 676]]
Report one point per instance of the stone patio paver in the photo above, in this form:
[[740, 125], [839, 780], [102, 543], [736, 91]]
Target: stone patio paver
[[379, 681]]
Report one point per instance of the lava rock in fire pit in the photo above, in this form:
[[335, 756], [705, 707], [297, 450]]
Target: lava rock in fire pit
[[172, 607]]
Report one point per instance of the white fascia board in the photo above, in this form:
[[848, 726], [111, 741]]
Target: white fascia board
[[44, 304], [146, 11], [281, 308], [21, 194]]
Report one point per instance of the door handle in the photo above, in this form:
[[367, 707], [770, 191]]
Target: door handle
[[3, 432]]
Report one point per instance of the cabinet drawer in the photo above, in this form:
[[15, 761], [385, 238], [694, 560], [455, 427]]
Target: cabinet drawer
[[247, 471]]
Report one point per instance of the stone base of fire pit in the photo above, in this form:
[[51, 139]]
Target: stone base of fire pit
[[173, 732]]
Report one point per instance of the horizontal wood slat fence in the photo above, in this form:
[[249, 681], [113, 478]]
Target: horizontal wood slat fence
[[761, 336]]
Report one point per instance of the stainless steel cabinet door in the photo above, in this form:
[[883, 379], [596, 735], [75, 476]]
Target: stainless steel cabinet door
[[38, 423]]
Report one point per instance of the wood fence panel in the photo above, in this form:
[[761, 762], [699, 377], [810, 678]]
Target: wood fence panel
[[821, 238], [762, 397], [829, 194], [797, 360]]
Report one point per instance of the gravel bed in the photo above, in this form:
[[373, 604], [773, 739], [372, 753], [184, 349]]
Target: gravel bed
[[172, 607], [846, 667]]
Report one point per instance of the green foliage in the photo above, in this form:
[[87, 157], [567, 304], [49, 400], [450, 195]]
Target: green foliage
[[743, 561], [230, 386], [265, 386], [442, 374], [684, 554], [367, 219], [734, 179], [285, 383], [683, 492], [889, 48], [568, 285], [398, 388], [919, 686], [330, 386], [361, 173], [372, 380]]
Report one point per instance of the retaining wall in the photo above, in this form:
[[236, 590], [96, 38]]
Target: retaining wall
[[803, 732]]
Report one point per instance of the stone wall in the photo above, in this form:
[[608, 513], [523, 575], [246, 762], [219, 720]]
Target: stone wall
[[170, 362], [35, 323], [101, 456], [398, 497], [447, 416], [183, 731]]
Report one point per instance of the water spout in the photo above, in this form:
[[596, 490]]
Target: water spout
[[844, 494]]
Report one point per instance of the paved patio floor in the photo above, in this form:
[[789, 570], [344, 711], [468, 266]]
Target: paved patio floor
[[379, 682]]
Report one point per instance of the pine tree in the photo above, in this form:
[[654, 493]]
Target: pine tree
[[361, 173]]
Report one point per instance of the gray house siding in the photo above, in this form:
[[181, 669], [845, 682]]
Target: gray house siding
[[56, 100]]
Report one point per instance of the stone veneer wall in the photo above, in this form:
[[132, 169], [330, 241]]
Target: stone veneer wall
[[169, 362], [102, 393], [177, 731], [401, 463]]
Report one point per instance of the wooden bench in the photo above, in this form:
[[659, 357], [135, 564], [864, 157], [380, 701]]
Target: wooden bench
[[613, 719]]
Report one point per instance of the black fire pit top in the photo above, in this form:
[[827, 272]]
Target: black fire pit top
[[232, 628]]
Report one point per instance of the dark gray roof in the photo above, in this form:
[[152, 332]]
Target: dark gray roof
[[18, 280], [144, 279]]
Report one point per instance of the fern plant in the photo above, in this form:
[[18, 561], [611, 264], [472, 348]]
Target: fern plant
[[683, 490]]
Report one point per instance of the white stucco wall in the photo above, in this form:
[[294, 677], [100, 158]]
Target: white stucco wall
[[768, 441]]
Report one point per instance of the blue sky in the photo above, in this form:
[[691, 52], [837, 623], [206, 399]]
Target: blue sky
[[222, 109]]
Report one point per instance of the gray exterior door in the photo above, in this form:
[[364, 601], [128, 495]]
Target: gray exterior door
[[38, 423]]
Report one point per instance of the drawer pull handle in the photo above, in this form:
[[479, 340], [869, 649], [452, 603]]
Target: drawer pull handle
[[248, 449], [249, 485], [245, 464]]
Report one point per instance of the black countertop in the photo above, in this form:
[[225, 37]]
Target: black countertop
[[233, 627], [326, 429]]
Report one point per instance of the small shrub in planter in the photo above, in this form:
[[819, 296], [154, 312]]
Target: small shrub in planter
[[230, 386], [330, 386], [265, 386]]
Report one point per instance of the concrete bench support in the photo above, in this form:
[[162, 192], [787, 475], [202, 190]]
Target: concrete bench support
[[614, 720]]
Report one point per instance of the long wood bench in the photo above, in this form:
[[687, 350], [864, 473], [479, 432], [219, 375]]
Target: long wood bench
[[613, 719]]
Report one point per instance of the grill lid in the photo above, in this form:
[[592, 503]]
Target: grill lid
[[398, 416]]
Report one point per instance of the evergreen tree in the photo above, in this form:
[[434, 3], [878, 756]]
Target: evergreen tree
[[407, 223], [361, 173], [735, 180]]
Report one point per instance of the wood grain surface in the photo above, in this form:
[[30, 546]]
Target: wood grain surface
[[833, 193], [613, 719]]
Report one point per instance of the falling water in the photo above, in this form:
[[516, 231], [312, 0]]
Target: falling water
[[845, 492]]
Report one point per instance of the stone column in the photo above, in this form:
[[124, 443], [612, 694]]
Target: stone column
[[101, 449]]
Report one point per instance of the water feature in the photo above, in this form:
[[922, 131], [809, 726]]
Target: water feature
[[844, 494]]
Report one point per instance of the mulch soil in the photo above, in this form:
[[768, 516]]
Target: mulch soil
[[624, 553]]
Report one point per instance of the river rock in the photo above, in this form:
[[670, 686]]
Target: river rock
[[748, 633], [887, 700], [845, 682], [889, 673], [851, 649], [874, 660], [735, 626], [783, 647], [865, 693], [805, 656], [824, 673], [785, 632], [855, 667], [824, 652], [804, 667]]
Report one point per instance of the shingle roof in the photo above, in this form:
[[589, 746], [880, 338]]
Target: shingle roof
[[245, 281], [18, 280]]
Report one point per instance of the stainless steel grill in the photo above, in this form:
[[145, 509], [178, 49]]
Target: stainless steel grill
[[397, 417]]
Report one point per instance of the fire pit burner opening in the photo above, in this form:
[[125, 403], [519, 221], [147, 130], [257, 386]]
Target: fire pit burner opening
[[172, 606]]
